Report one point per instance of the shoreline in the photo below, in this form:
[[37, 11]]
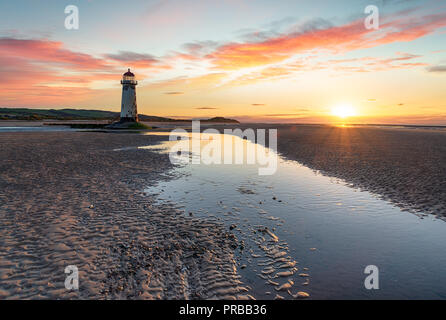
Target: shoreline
[[403, 166]]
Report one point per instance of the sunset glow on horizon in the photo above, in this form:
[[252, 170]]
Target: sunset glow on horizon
[[343, 111], [255, 61]]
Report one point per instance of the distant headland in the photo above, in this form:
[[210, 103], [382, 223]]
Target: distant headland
[[82, 114]]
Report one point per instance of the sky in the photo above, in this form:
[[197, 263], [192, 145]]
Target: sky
[[283, 61]]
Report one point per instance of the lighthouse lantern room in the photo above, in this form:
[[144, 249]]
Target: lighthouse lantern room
[[129, 111]]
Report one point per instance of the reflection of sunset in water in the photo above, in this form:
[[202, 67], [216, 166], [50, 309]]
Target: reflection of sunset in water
[[307, 210]]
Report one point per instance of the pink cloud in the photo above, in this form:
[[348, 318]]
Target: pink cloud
[[48, 51], [33, 68]]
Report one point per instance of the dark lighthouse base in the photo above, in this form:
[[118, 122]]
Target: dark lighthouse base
[[122, 120], [126, 123]]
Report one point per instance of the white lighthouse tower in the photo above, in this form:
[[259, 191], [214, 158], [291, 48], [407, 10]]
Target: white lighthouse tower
[[129, 111]]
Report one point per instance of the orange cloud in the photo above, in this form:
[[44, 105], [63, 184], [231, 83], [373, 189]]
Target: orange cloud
[[192, 83], [335, 39]]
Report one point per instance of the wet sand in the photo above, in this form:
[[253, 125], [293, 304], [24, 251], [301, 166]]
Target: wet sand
[[404, 166], [66, 198], [69, 198]]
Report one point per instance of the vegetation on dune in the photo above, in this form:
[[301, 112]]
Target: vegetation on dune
[[220, 119], [139, 126], [52, 114], [81, 114]]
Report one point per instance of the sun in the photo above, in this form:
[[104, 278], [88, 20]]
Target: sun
[[343, 111]]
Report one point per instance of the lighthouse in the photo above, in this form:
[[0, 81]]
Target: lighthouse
[[129, 112]]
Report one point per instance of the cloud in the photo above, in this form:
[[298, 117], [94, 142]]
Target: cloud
[[133, 59], [258, 104], [32, 68], [44, 72], [323, 37], [46, 60], [369, 64], [200, 47], [49, 51], [437, 69], [201, 82], [206, 108], [174, 93]]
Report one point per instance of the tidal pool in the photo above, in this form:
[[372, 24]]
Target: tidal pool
[[330, 230]]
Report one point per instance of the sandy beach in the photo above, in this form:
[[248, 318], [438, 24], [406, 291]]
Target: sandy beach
[[404, 166], [68, 199], [77, 198]]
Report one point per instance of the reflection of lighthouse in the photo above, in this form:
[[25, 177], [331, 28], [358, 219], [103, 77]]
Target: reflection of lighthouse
[[129, 112]]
